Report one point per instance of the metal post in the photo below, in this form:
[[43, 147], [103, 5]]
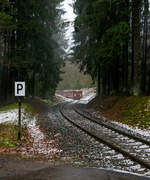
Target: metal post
[[19, 119]]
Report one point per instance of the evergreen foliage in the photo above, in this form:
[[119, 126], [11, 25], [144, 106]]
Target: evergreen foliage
[[27, 47], [112, 42]]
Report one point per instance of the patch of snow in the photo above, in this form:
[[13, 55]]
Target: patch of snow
[[146, 150], [144, 147], [119, 156], [34, 131], [40, 145], [145, 132], [9, 116], [64, 98], [136, 167], [87, 98], [136, 143]]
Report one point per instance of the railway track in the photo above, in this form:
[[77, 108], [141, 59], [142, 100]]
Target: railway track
[[131, 146]]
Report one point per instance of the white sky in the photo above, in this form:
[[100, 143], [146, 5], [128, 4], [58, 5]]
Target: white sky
[[69, 16], [67, 6]]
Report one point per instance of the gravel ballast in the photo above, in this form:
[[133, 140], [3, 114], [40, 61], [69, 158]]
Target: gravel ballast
[[79, 149]]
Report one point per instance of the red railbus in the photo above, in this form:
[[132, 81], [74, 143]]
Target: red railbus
[[73, 94]]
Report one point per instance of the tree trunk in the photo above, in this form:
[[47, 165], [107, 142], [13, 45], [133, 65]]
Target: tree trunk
[[144, 62], [136, 4], [99, 82], [104, 82]]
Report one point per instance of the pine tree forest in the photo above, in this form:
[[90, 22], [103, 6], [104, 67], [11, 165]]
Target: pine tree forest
[[28, 46], [112, 44]]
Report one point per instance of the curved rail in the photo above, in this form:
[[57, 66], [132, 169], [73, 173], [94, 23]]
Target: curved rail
[[107, 125], [101, 138]]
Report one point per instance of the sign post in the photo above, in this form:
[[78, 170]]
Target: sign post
[[19, 119], [19, 91]]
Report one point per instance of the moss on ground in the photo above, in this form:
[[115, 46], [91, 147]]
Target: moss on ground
[[131, 110]]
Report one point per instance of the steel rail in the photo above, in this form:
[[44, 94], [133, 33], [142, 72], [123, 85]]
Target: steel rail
[[104, 141], [102, 123]]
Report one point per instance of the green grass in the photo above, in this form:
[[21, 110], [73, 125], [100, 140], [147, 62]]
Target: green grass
[[9, 107], [28, 108], [9, 134], [131, 110], [135, 111], [9, 131]]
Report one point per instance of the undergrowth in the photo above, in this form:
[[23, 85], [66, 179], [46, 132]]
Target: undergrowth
[[28, 108], [9, 135], [9, 131], [131, 110]]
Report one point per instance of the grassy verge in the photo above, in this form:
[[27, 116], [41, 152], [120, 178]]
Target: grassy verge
[[9, 107], [28, 108], [9, 131], [135, 111], [131, 110], [8, 135]]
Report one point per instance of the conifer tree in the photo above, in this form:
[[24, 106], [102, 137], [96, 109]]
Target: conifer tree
[[28, 47]]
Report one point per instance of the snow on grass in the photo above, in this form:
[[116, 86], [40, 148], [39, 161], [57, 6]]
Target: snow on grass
[[144, 132], [11, 116], [64, 98], [40, 146], [8, 116], [87, 98]]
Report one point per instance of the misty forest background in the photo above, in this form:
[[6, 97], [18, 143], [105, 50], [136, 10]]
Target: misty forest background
[[111, 44]]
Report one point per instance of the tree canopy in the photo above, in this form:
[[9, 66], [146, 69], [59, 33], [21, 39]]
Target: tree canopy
[[28, 48], [112, 42]]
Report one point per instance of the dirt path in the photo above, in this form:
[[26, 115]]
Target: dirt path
[[13, 165]]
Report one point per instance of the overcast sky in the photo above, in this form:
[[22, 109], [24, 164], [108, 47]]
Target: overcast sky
[[67, 6], [69, 16]]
